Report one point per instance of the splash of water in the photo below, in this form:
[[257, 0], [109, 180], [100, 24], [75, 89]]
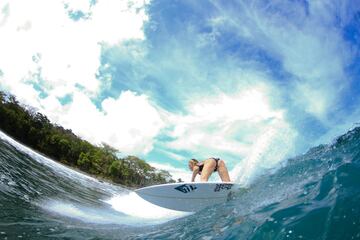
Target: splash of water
[[271, 148]]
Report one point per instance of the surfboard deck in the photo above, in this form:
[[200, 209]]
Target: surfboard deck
[[188, 196]]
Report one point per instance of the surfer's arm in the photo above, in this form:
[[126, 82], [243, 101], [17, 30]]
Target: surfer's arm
[[195, 172]]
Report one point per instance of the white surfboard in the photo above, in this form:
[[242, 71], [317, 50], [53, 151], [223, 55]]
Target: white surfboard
[[188, 197]]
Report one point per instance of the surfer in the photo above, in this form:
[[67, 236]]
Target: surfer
[[207, 167]]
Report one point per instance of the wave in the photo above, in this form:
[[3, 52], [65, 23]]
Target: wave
[[312, 196]]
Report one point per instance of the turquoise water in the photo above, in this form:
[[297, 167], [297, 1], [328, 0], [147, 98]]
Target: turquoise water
[[313, 196]]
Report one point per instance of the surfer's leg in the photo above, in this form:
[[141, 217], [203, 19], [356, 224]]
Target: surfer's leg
[[208, 169], [223, 172]]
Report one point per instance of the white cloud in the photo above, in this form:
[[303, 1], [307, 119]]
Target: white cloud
[[40, 44], [306, 43], [52, 108], [235, 117], [79, 5], [176, 173], [129, 123], [81, 115], [137, 122], [67, 52], [217, 125]]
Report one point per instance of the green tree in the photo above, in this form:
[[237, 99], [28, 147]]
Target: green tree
[[84, 161], [34, 129]]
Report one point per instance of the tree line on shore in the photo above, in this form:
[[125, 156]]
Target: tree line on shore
[[36, 131]]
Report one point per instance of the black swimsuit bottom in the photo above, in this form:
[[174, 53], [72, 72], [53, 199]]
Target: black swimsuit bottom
[[202, 164]]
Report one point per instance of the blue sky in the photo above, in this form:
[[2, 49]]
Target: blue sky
[[253, 82]]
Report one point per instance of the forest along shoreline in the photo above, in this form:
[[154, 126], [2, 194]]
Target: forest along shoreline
[[35, 130]]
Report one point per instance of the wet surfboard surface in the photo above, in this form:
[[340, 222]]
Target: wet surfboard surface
[[190, 196]]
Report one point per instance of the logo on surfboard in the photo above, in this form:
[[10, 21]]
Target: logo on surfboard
[[185, 188], [220, 187]]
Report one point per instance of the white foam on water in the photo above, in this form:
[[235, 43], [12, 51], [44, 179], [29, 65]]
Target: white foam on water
[[126, 209], [87, 214], [133, 205]]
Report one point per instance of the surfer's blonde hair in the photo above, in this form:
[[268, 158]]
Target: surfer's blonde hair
[[192, 163]]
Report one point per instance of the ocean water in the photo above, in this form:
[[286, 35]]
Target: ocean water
[[312, 196]]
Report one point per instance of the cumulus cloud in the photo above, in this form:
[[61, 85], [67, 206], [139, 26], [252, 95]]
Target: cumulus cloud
[[129, 123], [40, 38], [52, 49], [137, 122]]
